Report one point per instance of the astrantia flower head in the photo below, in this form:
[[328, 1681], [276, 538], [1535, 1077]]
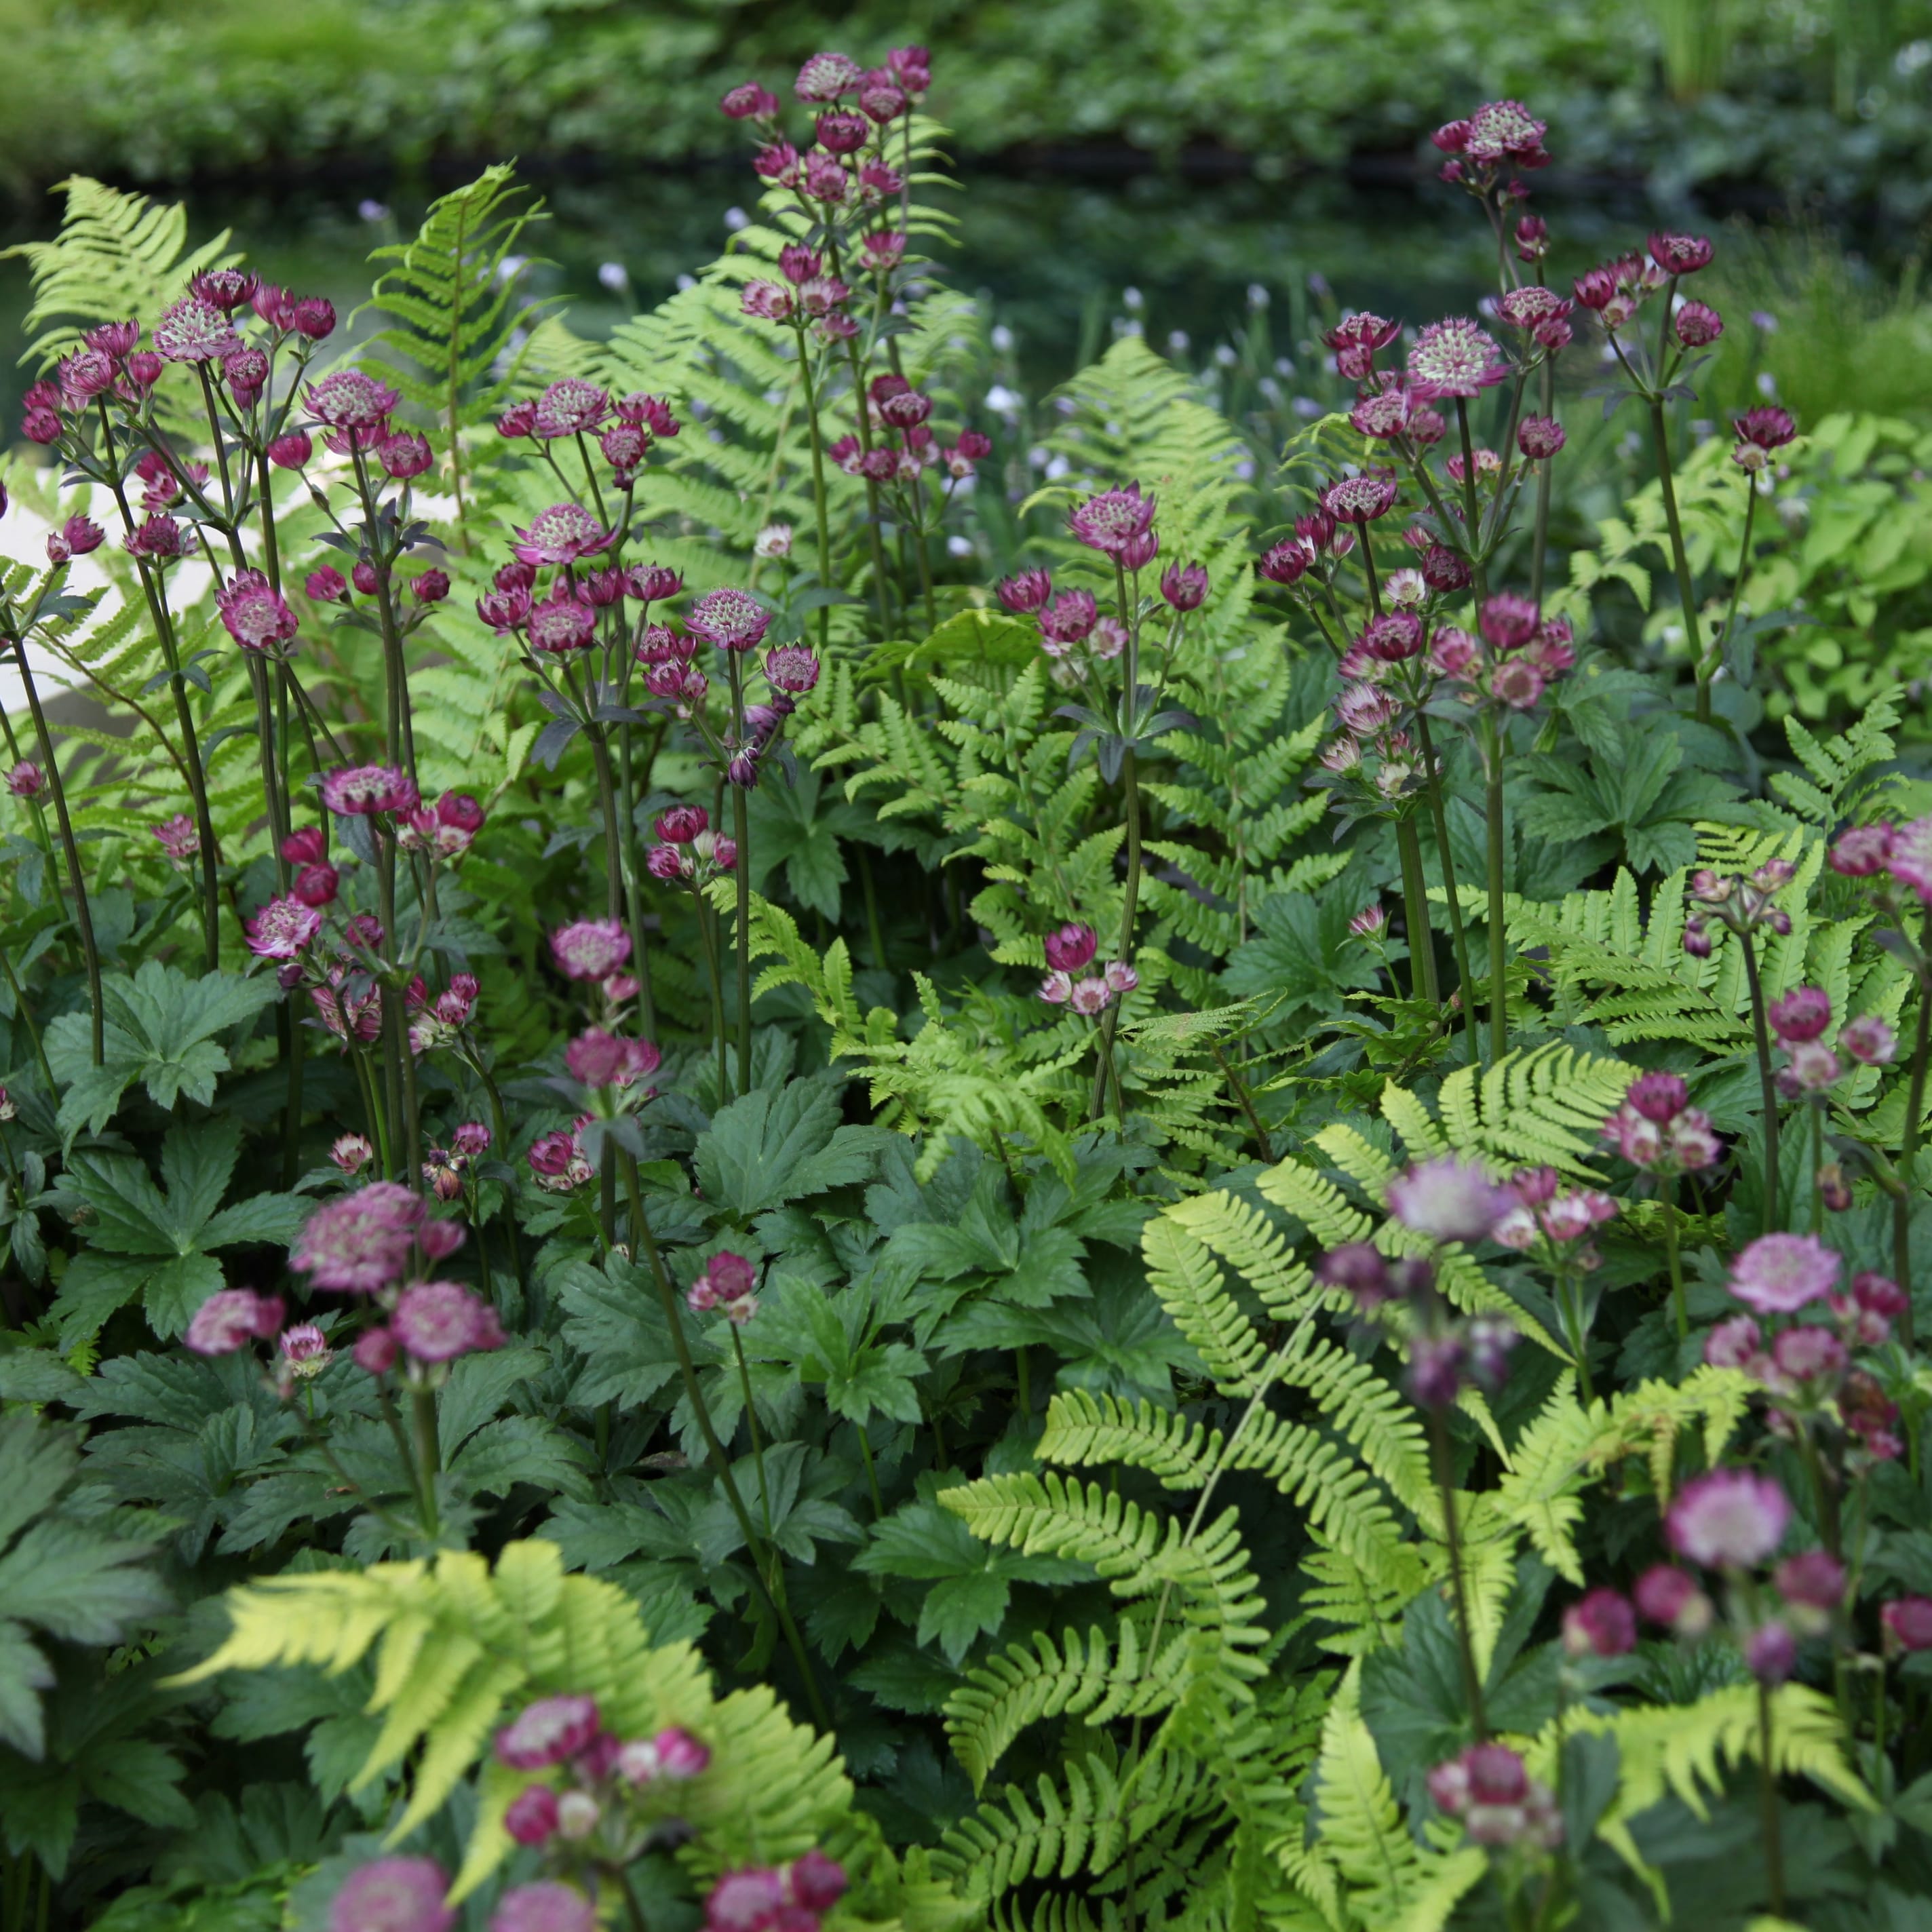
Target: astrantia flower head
[[570, 407], [547, 1732], [1355, 339], [393, 1895], [1287, 562], [359, 791], [1068, 620], [347, 399], [1658, 1097], [750, 102], [825, 77], [1070, 947], [1111, 520], [195, 331], [564, 533], [257, 617], [1360, 499], [1504, 129], [230, 1318], [1454, 358], [1448, 1199], [1381, 415], [547, 1905], [1802, 1014], [1680, 254], [732, 619], [282, 928], [1539, 437], [360, 1243], [1599, 1623], [1768, 428], [592, 949], [561, 623], [438, 1320], [1697, 324], [1730, 1519], [1778, 1274]]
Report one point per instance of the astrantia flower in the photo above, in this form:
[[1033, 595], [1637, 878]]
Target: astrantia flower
[[231, 1317], [257, 615], [732, 619], [1768, 428], [1802, 1014], [1355, 339], [1382, 415], [1110, 521], [1600, 1624], [1680, 254], [569, 407], [304, 1351], [749, 102], [564, 533], [158, 538], [561, 623], [282, 928], [1908, 1623], [393, 1895], [1697, 324], [194, 331], [1539, 437], [791, 668], [548, 1905], [1729, 1519], [746, 1901], [358, 791], [1360, 499], [825, 77], [1448, 1200], [547, 1732], [1861, 851], [1532, 303], [347, 399], [437, 1321], [1504, 128], [1287, 562], [1453, 358], [1778, 1274], [592, 949], [1869, 1038], [359, 1243]]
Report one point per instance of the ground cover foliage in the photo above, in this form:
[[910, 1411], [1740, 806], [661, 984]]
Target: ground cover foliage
[[788, 1141]]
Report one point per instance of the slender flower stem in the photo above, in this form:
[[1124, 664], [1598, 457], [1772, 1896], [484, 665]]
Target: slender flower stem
[[771, 1584], [741, 875], [1439, 818], [1675, 1260], [25, 1012], [1492, 742], [1472, 1682], [633, 873], [1472, 512], [422, 1403], [1244, 1099], [1908, 1146], [751, 1422], [83, 916], [1422, 981], [1767, 1086], [1723, 644], [607, 799], [818, 496], [1130, 796], [1774, 1849], [708, 937], [412, 1463], [1540, 539], [1680, 562]]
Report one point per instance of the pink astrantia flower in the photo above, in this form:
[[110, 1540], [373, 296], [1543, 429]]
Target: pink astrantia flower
[[564, 533], [1448, 1199], [825, 77], [437, 1321], [591, 949], [1601, 1624], [561, 623], [1802, 1014], [569, 407], [1908, 1623], [358, 791], [1069, 947], [231, 1317], [1778, 1274], [282, 928], [347, 399], [194, 331], [257, 617], [393, 1895], [1360, 499], [1869, 1038], [547, 1905], [1113, 521], [732, 619], [547, 1732], [359, 1243], [1729, 1519], [1908, 856], [1500, 130], [1454, 358]]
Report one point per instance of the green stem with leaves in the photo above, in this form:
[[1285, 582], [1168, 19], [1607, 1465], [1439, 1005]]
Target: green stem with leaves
[[1438, 818], [771, 1582], [1494, 743], [1422, 981], [1704, 667]]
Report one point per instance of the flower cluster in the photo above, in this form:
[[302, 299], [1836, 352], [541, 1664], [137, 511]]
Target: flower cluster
[[1739, 903], [781, 1898], [1500, 1805], [728, 1285], [1657, 1129], [1553, 1218], [1070, 949], [573, 410], [378, 1241], [688, 850]]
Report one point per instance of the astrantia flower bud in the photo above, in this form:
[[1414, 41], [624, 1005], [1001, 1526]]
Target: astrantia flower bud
[[843, 133], [1070, 947], [1802, 1014], [750, 102], [1287, 562], [1186, 588], [1539, 437], [1532, 238], [1358, 1268], [1766, 428], [405, 454], [532, 1816], [1698, 325]]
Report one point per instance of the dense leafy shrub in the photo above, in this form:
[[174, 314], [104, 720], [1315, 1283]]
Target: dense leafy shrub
[[704, 1224]]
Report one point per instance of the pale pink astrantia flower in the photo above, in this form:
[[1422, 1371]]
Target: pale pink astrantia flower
[[1778, 1274], [1448, 1199], [590, 948], [359, 1243], [547, 1905], [393, 1895], [547, 1732], [1730, 1519]]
